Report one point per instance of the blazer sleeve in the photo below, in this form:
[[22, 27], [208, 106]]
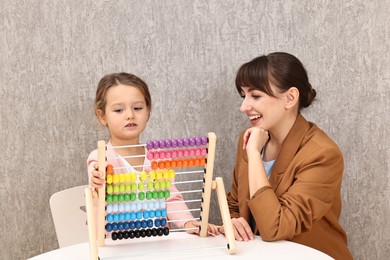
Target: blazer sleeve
[[232, 196], [308, 199]]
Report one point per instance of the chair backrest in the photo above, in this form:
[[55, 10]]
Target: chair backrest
[[69, 216]]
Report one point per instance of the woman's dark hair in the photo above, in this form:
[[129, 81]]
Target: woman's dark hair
[[282, 70]]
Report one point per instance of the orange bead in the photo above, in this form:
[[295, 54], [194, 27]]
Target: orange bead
[[202, 161], [161, 164], [191, 162], [154, 165], [173, 164], [110, 169], [179, 163], [197, 162], [167, 164], [185, 163]]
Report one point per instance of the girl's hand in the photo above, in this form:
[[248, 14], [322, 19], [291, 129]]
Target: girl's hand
[[254, 139], [96, 180], [212, 230], [241, 228]]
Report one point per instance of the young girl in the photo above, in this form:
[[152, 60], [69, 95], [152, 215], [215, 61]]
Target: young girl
[[287, 178], [123, 104]]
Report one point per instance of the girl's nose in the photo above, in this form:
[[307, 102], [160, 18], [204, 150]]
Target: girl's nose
[[130, 114]]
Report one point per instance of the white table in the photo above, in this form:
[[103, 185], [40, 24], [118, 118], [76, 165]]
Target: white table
[[180, 245]]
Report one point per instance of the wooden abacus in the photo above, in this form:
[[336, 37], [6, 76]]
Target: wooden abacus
[[120, 215]]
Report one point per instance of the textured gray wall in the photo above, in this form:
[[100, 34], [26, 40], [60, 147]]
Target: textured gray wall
[[54, 52]]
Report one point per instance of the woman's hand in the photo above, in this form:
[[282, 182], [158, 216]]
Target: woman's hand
[[241, 228], [255, 139], [212, 230]]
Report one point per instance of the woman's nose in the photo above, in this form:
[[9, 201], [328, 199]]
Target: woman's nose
[[245, 106]]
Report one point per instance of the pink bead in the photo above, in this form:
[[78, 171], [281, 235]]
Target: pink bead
[[185, 153], [204, 152], [156, 155], [168, 154], [179, 153], [192, 152], [197, 152], [162, 154], [174, 154], [149, 155]]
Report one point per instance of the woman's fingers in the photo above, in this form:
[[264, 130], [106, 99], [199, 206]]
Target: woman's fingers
[[242, 230]]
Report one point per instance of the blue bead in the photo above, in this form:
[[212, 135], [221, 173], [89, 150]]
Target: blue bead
[[133, 216], [151, 214], [157, 222], [158, 213], [108, 227], [139, 214], [116, 217], [114, 226], [121, 216], [144, 224], [132, 225], [150, 223], [109, 208], [126, 225], [127, 216], [110, 218], [163, 222], [120, 226], [163, 212], [146, 214], [138, 224]]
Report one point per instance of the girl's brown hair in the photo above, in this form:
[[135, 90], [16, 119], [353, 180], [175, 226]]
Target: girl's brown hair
[[116, 79]]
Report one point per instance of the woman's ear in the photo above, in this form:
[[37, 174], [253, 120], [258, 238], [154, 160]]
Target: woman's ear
[[292, 97], [101, 116]]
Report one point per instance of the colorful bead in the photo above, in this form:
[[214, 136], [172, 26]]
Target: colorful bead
[[109, 169], [109, 179], [109, 189], [149, 145]]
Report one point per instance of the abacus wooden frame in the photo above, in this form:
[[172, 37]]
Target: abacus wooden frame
[[97, 239]]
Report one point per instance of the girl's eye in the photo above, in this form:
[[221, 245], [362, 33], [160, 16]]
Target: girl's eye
[[118, 110], [138, 108]]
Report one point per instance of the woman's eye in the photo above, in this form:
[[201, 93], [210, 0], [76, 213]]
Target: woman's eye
[[256, 96]]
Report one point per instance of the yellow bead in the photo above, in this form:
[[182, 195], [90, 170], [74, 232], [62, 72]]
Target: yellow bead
[[152, 175], [150, 185], [121, 178], [115, 178], [127, 177], [166, 174], [159, 175], [162, 184], [171, 174], [167, 184], [116, 188], [122, 187], [109, 179], [156, 185], [133, 187], [133, 176], [143, 176], [141, 186]]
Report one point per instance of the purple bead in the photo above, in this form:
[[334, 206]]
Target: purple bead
[[198, 141], [192, 141], [204, 140], [168, 143], [162, 143], [149, 145], [186, 142], [156, 144], [174, 143], [180, 142]]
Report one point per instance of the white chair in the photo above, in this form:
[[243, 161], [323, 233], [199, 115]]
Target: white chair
[[69, 216]]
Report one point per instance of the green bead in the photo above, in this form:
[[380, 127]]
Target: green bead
[[133, 197], [121, 197], [167, 194], [155, 194], [161, 194], [127, 197], [141, 195], [149, 195], [115, 198], [109, 199]]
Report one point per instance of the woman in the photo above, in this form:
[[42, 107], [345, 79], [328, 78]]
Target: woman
[[287, 178]]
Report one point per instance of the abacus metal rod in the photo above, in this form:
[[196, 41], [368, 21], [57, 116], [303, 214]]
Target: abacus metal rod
[[186, 201], [125, 146], [189, 191]]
